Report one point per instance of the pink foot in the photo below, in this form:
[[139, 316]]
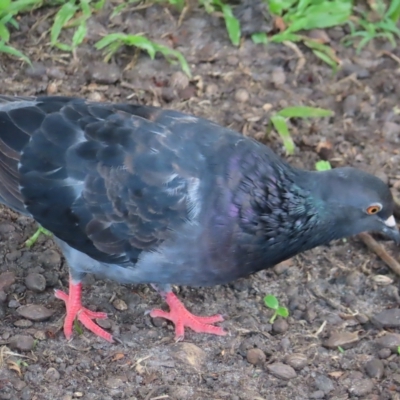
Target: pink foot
[[181, 317], [76, 310]]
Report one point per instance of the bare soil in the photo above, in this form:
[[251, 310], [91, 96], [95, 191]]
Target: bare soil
[[331, 346]]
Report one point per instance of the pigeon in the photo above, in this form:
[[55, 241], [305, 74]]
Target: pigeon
[[142, 195]]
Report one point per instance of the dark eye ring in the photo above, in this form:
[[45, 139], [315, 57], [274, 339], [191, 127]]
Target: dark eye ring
[[374, 208]]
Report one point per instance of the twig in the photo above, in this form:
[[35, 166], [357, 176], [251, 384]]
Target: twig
[[378, 249], [300, 56]]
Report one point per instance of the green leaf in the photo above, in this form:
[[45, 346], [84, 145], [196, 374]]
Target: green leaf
[[277, 7], [4, 4], [282, 311], [281, 127], [14, 52], [63, 46], [65, 13], [271, 301], [79, 35], [78, 328], [322, 165], [141, 42], [304, 112], [107, 40], [232, 25], [326, 59], [393, 11], [340, 349], [259, 38], [4, 33]]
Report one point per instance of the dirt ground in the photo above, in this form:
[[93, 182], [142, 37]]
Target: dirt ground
[[340, 340]]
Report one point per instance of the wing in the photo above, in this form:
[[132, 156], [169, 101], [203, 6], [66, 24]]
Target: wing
[[113, 181]]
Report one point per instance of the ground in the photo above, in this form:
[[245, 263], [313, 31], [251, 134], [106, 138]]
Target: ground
[[339, 341]]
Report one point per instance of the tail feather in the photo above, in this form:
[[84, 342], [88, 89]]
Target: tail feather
[[12, 141]]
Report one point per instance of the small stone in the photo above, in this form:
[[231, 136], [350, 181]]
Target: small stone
[[13, 255], [283, 266], [104, 323], [280, 326], [296, 360], [40, 335], [374, 368], [354, 279], [361, 387], [23, 323], [114, 382], [362, 318], [212, 90], [101, 72], [242, 95], [281, 371], [341, 339], [35, 312], [179, 80], [96, 96], [159, 322], [190, 354], [36, 70], [50, 259], [391, 131], [389, 341], [55, 73], [382, 280], [3, 297], [78, 394], [13, 303], [278, 76], [52, 375], [387, 318], [384, 353], [324, 384], [35, 282], [187, 93], [6, 280], [52, 88], [21, 342], [319, 394], [120, 305], [350, 105], [256, 356], [325, 149]]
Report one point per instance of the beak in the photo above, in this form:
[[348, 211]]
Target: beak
[[391, 230]]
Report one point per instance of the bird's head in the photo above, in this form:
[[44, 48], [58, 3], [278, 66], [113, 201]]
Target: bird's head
[[355, 201]]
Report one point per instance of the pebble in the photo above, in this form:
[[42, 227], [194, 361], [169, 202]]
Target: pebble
[[187, 93], [361, 387], [323, 383], [278, 76], [391, 131], [13, 303], [256, 356], [50, 258], [36, 70], [281, 371], [3, 296], [342, 339], [114, 382], [101, 72], [52, 375], [21, 342], [319, 394], [296, 360], [179, 80], [189, 354], [384, 353], [280, 326], [387, 318], [6, 280], [35, 282], [242, 95], [23, 323], [104, 323], [283, 266], [212, 90], [35, 312], [374, 368], [120, 304], [350, 105], [354, 279], [389, 341]]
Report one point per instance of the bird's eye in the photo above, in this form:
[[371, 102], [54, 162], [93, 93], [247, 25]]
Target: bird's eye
[[374, 208]]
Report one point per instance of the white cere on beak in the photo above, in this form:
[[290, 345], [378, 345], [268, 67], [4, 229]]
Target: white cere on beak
[[390, 222]]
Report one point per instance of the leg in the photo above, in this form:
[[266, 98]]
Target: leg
[[181, 317], [76, 310], [32, 240]]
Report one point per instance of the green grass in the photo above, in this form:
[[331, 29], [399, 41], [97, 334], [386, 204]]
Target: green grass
[[280, 122], [293, 18]]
